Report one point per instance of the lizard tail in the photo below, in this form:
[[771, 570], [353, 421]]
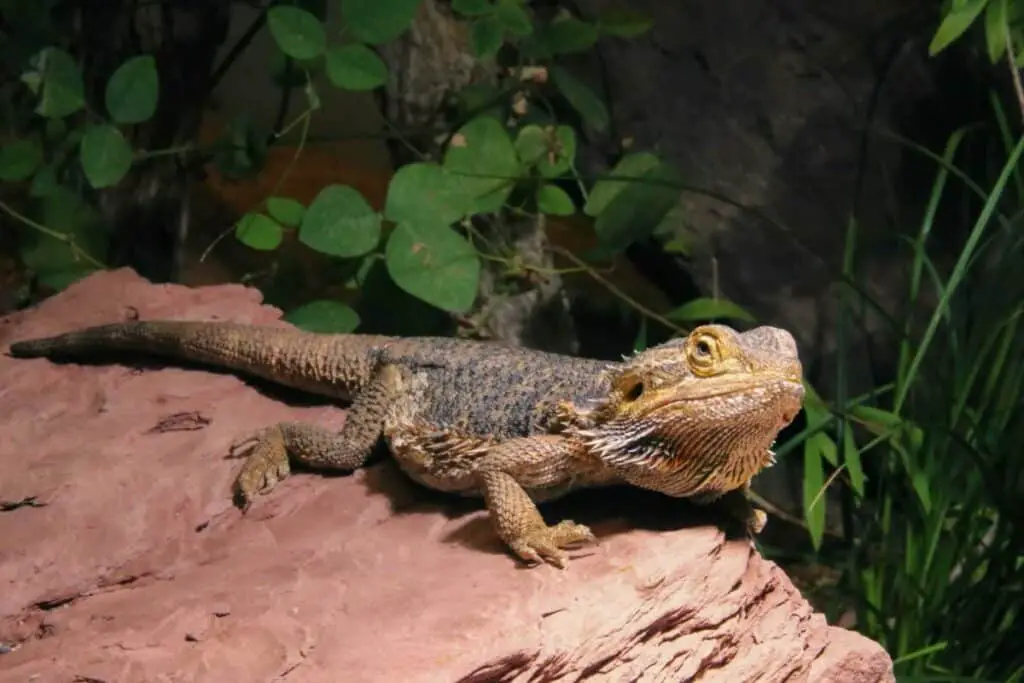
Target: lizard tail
[[334, 365]]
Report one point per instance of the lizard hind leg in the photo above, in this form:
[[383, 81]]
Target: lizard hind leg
[[271, 452]]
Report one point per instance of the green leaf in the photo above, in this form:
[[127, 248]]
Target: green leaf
[[355, 67], [679, 244], [827, 448], [105, 154], [876, 420], [995, 29], [259, 231], [921, 484], [818, 414], [567, 36], [324, 316], [955, 23], [472, 8], [425, 192], [485, 37], [514, 17], [555, 201], [851, 458], [635, 212], [531, 144], [285, 210], [561, 153], [65, 212], [133, 90], [59, 280], [20, 159], [298, 33], [623, 23], [45, 183], [241, 150], [56, 129], [629, 166], [551, 150], [340, 222], [435, 264], [478, 97], [709, 309], [591, 109], [671, 231], [814, 481], [55, 78], [482, 157], [378, 21]]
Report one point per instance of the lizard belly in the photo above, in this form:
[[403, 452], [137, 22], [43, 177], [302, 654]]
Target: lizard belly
[[435, 455]]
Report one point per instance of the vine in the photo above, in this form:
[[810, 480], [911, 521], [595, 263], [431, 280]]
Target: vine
[[512, 155]]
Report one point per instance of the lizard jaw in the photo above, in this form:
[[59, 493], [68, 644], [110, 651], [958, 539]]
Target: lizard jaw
[[690, 447]]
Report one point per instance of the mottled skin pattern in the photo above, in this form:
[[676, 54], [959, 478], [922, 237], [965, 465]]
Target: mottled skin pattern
[[694, 417]]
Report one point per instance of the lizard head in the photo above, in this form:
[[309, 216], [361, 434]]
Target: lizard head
[[698, 414]]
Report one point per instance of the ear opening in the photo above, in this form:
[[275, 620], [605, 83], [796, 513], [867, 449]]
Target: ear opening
[[635, 391]]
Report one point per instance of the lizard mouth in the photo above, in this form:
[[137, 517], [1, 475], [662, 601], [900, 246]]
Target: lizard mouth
[[792, 402], [789, 414]]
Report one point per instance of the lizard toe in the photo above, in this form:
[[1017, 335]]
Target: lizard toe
[[537, 549], [568, 534], [265, 467], [545, 544]]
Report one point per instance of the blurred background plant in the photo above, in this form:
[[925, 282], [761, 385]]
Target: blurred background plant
[[932, 547]]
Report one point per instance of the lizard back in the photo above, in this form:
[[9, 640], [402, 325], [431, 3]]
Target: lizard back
[[492, 390]]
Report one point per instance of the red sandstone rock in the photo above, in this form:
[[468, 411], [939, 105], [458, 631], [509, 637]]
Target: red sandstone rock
[[138, 568]]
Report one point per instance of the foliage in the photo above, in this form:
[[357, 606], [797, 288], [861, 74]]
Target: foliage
[[501, 159], [930, 462], [1002, 22]]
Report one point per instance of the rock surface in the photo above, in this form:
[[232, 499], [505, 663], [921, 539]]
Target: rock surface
[[130, 563]]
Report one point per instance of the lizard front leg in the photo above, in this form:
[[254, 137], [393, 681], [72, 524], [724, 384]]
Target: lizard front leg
[[531, 462], [268, 452], [738, 506]]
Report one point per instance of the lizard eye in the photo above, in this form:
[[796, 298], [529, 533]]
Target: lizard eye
[[703, 352]]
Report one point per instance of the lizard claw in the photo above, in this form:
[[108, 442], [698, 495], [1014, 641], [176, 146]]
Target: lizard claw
[[756, 521], [544, 544], [241, 447], [267, 464]]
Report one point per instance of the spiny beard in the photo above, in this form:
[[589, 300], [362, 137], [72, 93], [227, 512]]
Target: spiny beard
[[622, 445], [670, 447]]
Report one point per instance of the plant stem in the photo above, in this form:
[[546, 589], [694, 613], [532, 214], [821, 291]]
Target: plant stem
[[1014, 71], [50, 232], [616, 291]]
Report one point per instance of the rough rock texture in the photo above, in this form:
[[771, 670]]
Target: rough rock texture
[[766, 105], [132, 565]]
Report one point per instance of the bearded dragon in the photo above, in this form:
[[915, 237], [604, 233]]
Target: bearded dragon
[[694, 417]]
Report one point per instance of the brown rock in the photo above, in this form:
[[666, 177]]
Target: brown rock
[[129, 562]]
